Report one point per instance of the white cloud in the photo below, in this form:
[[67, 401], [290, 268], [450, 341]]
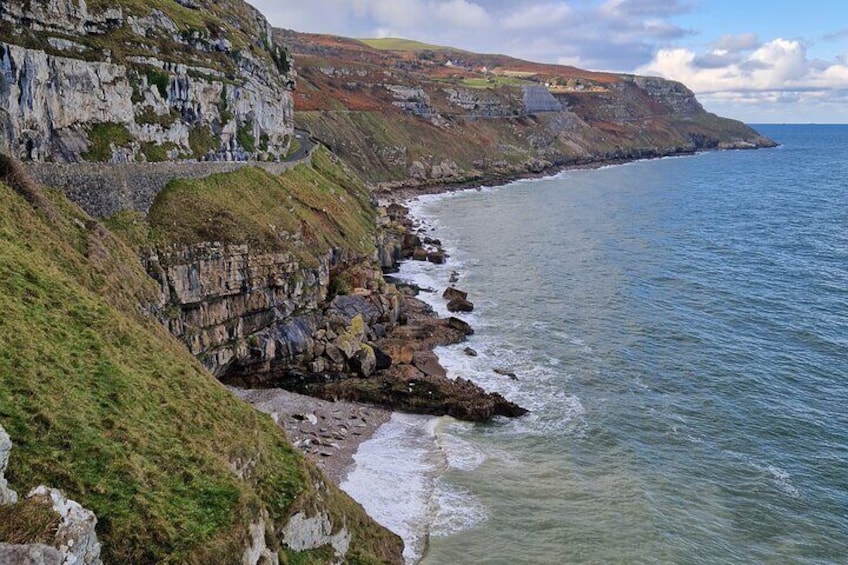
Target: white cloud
[[770, 79], [538, 16], [462, 13]]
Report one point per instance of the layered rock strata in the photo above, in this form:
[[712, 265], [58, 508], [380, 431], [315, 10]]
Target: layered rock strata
[[268, 320]]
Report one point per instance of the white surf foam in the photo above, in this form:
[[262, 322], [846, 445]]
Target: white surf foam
[[394, 479]]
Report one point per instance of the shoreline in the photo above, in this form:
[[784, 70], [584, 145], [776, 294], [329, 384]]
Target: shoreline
[[327, 433], [400, 192]]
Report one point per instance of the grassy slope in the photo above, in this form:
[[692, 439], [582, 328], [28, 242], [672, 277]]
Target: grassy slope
[[400, 44], [324, 205], [102, 403]]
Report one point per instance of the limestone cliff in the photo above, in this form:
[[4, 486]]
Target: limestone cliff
[[126, 81]]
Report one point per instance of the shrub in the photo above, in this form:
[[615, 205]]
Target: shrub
[[202, 141], [245, 138], [102, 137]]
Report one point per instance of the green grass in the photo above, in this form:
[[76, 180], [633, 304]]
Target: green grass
[[102, 403], [400, 44], [321, 203], [495, 81]]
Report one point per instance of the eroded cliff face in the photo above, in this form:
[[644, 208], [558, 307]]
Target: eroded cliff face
[[255, 317], [125, 82]]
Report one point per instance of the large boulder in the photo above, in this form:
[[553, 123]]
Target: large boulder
[[453, 293], [460, 305]]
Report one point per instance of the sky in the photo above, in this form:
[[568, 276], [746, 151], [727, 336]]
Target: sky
[[760, 61]]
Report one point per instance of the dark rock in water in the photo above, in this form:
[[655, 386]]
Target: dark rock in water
[[437, 257], [411, 241], [470, 352], [460, 325], [452, 293], [410, 390], [506, 373], [460, 305], [454, 277]]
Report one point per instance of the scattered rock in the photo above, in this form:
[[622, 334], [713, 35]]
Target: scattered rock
[[311, 418], [428, 363], [470, 352], [460, 305], [452, 293], [506, 373], [454, 277], [384, 361], [438, 257]]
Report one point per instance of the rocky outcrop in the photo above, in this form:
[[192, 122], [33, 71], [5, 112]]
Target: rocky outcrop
[[69, 100], [30, 554], [7, 495], [232, 305], [539, 99], [258, 552], [74, 539]]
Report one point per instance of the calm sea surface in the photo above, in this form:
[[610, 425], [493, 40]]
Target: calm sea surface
[[679, 328]]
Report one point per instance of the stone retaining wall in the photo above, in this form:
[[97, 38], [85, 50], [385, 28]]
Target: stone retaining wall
[[102, 189]]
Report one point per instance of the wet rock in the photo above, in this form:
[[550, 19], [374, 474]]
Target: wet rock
[[506, 373], [460, 305], [437, 257], [470, 352], [419, 254], [460, 325], [453, 293]]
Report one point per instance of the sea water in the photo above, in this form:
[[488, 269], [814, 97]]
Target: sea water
[[679, 329]]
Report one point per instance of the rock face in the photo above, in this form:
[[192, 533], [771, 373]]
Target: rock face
[[7, 495], [169, 90], [231, 305]]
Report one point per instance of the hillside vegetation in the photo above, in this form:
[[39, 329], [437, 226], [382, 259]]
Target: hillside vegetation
[[407, 113], [101, 402]]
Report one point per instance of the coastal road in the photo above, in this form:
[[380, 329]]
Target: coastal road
[[306, 145]]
